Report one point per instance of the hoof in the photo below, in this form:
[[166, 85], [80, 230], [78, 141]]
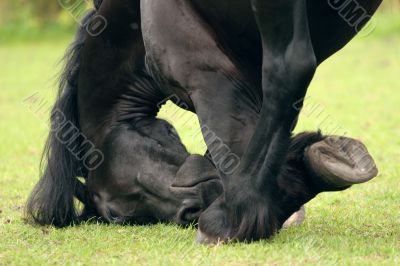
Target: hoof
[[203, 239], [297, 218], [341, 161]]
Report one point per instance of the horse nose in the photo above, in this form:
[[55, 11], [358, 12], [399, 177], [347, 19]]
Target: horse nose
[[190, 212], [102, 205]]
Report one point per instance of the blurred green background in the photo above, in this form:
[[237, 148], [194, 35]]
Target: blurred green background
[[39, 19]]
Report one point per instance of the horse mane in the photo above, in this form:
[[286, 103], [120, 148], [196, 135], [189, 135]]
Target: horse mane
[[52, 200]]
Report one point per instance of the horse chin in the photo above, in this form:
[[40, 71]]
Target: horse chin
[[341, 162]]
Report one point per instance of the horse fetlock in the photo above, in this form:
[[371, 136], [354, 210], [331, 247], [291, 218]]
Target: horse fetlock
[[249, 220]]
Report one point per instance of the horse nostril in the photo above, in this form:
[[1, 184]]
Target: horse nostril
[[112, 214], [189, 213], [105, 210]]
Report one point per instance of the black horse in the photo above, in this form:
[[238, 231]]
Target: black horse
[[240, 65]]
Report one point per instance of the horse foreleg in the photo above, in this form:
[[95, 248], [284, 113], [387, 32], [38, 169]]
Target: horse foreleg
[[259, 196], [249, 209], [259, 192]]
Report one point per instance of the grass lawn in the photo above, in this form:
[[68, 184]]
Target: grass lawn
[[356, 93]]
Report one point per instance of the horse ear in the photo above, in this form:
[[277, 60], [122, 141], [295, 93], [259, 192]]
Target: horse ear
[[195, 170], [97, 4], [198, 184], [197, 178]]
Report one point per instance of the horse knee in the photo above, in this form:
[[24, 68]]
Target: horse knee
[[291, 70], [302, 61]]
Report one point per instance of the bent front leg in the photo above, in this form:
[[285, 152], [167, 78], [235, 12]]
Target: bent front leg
[[313, 164], [248, 210], [289, 64], [228, 103]]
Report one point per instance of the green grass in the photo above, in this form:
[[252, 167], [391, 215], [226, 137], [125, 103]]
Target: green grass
[[355, 93]]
